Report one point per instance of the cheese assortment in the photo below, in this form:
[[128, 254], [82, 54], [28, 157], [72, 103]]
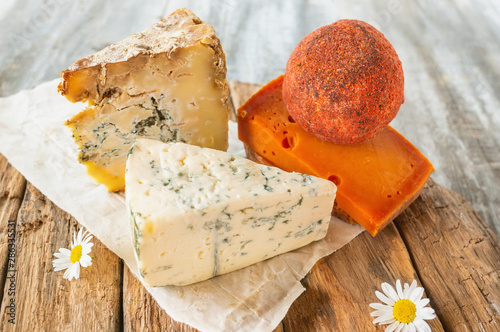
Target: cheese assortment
[[156, 125], [167, 83], [198, 212], [376, 179]]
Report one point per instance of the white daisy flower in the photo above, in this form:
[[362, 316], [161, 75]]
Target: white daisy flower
[[403, 309], [70, 260]]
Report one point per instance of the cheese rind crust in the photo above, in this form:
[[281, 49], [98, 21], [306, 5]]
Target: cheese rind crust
[[167, 83], [344, 82], [197, 213]]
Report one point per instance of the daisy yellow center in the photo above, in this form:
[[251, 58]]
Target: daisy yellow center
[[404, 311], [76, 254]]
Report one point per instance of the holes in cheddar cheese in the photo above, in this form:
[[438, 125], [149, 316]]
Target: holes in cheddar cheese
[[335, 179], [287, 143]]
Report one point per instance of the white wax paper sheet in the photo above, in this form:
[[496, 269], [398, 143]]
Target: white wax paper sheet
[[35, 141]]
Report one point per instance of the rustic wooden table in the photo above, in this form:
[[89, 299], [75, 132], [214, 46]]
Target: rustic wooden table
[[450, 53]]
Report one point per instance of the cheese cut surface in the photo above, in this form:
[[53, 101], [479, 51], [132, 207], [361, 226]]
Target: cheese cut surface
[[197, 212], [167, 83], [376, 179]]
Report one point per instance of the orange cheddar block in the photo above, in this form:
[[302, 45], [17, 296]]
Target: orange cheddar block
[[376, 179]]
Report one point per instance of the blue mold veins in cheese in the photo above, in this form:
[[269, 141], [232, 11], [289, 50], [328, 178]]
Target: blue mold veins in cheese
[[167, 83], [198, 212]]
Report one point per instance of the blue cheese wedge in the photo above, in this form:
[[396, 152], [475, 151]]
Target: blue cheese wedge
[[198, 212], [167, 83]]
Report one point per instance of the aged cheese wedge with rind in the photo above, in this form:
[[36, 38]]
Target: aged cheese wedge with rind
[[198, 212], [376, 180], [166, 83]]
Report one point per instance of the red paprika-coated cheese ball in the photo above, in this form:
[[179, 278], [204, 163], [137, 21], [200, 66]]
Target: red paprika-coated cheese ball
[[344, 82]]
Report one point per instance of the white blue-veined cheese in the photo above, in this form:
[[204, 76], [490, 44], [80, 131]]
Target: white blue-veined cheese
[[198, 212]]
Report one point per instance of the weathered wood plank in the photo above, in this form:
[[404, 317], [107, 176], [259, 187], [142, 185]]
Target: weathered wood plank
[[12, 185], [43, 299], [241, 92], [457, 258], [141, 312], [341, 286]]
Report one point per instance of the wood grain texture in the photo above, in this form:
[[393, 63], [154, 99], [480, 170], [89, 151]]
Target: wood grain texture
[[240, 92], [341, 286], [457, 258], [141, 312], [12, 185], [44, 300]]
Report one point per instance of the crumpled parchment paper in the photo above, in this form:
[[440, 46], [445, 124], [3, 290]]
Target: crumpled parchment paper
[[35, 141]]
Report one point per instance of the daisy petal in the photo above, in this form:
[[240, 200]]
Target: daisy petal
[[411, 327], [87, 238], [422, 303], [65, 251], [87, 244], [79, 236], [416, 295], [70, 272], [384, 319], [427, 313], [392, 326], [77, 270], [85, 261], [410, 289], [387, 321], [384, 298], [399, 289], [378, 313], [389, 291], [400, 327], [62, 258], [380, 306], [61, 261], [421, 325], [61, 267]]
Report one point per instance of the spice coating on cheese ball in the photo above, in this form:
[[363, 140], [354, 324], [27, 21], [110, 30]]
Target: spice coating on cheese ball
[[344, 82]]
